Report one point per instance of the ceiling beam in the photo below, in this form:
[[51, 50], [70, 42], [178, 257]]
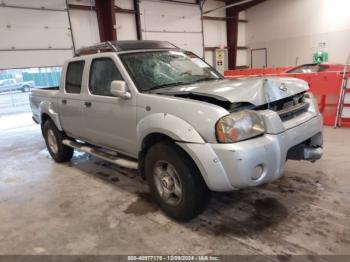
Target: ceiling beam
[[138, 19], [105, 11], [232, 36]]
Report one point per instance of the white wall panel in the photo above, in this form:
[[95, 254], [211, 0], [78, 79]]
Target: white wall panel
[[23, 59], [191, 42], [82, 2], [212, 4], [173, 22], [214, 33], [126, 4], [241, 40], [209, 57], [161, 16], [126, 26], [34, 29], [291, 29], [22, 28], [53, 4], [85, 28], [242, 57]]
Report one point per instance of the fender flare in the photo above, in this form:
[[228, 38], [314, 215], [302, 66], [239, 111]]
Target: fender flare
[[45, 107], [167, 124]]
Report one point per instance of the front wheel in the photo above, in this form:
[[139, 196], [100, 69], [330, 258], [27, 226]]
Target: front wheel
[[53, 138], [175, 182]]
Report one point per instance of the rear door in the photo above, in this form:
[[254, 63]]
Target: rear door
[[110, 121], [70, 101]]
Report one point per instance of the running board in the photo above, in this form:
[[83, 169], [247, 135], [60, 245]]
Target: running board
[[114, 159]]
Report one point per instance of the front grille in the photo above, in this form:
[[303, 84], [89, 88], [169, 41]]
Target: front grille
[[289, 107], [293, 111]]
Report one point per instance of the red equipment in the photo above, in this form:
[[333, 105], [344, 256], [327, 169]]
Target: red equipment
[[325, 82]]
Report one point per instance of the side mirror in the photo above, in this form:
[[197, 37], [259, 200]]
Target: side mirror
[[119, 89]]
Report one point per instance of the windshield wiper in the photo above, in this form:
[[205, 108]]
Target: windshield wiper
[[206, 79], [167, 85]]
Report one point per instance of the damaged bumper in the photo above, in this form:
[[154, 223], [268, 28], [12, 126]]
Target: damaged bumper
[[256, 161]]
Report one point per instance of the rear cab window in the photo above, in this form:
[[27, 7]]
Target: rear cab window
[[74, 77]]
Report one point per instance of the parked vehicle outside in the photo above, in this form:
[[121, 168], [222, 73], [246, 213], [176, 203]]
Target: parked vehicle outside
[[11, 85], [169, 114]]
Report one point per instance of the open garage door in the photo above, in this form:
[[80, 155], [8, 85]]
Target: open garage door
[[35, 42], [180, 24], [34, 33]]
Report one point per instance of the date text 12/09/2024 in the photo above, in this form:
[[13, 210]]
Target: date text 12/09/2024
[[173, 258]]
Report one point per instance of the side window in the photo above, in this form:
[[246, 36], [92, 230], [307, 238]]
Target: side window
[[74, 77], [102, 72]]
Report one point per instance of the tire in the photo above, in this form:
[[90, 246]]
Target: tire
[[53, 139], [161, 160], [25, 89]]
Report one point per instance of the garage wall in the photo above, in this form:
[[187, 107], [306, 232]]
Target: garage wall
[[214, 31], [31, 37], [84, 24], [125, 23], [177, 23], [48, 30], [290, 30], [242, 55]]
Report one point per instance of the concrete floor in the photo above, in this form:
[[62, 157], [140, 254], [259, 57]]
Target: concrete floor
[[91, 207]]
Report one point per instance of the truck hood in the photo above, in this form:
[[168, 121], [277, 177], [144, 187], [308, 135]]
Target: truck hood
[[254, 90]]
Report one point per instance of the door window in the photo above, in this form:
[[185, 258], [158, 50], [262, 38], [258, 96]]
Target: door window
[[103, 71], [74, 77]]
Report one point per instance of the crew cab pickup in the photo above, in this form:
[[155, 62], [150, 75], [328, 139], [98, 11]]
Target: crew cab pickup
[[151, 106]]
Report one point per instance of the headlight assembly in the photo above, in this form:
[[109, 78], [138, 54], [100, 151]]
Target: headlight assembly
[[239, 126]]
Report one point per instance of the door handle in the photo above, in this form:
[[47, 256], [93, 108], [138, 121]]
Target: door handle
[[87, 104], [64, 101]]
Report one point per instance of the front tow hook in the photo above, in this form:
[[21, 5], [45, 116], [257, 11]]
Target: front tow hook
[[312, 153]]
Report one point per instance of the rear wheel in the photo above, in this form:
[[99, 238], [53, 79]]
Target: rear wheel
[[53, 138], [175, 182], [25, 89]]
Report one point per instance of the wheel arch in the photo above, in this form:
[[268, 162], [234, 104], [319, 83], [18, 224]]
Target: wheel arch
[[152, 139], [168, 125], [162, 126], [47, 112]]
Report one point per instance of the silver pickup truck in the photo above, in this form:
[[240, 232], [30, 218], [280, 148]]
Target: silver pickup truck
[[151, 106], [11, 85]]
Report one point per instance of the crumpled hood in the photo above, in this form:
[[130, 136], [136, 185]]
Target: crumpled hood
[[254, 90]]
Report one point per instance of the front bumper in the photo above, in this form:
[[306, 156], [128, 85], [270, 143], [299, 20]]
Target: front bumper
[[227, 167]]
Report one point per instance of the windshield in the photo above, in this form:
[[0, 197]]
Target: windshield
[[160, 69], [313, 68]]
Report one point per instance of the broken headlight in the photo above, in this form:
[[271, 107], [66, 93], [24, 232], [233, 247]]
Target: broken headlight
[[239, 126]]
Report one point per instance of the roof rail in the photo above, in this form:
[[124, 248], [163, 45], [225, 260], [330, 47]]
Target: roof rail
[[98, 48], [125, 45]]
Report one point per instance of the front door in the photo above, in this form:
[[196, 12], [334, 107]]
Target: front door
[[110, 121], [70, 101]]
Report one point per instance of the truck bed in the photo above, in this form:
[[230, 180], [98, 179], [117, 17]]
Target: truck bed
[[47, 95], [46, 91]]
